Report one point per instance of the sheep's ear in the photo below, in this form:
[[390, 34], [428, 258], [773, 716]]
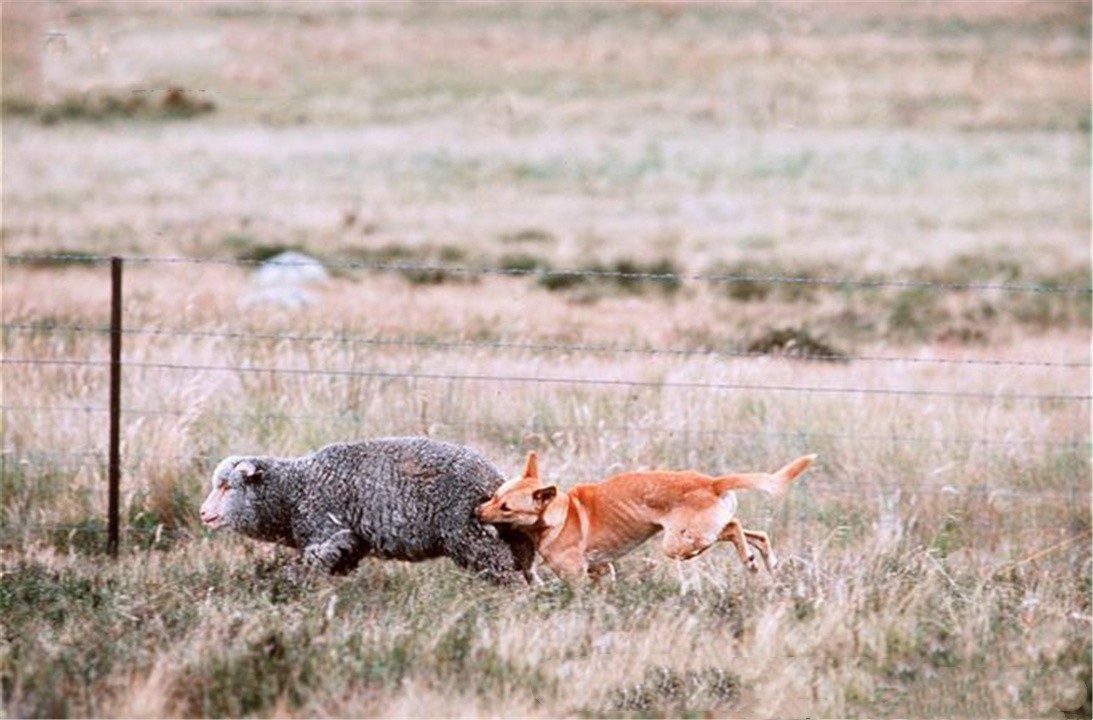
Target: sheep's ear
[[250, 472], [531, 470], [542, 496]]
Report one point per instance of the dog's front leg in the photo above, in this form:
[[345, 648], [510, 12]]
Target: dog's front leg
[[598, 572], [569, 565]]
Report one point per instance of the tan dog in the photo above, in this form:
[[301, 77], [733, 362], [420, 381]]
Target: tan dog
[[581, 531]]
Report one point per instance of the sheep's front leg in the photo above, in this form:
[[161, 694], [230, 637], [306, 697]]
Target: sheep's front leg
[[337, 555]]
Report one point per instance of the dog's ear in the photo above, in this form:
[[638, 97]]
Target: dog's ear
[[531, 470], [543, 496]]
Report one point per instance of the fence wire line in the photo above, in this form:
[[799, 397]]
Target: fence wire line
[[666, 277], [800, 434], [398, 341], [193, 532], [807, 483], [473, 377]]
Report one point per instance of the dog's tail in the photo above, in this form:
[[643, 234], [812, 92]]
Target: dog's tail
[[770, 483]]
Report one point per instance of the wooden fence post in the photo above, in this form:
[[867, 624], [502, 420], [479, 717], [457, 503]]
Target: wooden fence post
[[112, 527]]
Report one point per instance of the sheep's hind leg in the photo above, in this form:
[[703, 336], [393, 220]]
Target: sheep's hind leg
[[338, 554]]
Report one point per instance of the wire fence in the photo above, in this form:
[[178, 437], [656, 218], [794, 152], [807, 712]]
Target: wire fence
[[572, 381], [1062, 371], [564, 348], [479, 271]]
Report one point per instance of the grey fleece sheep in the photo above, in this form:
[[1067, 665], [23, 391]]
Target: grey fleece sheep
[[402, 498]]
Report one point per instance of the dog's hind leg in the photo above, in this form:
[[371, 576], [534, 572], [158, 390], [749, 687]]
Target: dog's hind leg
[[734, 532], [761, 542], [683, 544]]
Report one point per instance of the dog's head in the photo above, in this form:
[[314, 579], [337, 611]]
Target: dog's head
[[520, 501]]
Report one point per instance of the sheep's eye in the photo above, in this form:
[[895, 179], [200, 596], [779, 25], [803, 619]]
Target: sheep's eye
[[504, 507]]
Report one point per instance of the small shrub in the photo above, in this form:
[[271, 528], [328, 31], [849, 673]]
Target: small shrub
[[426, 275], [555, 280], [252, 250], [419, 265], [973, 268], [384, 254], [523, 263], [795, 342], [451, 254], [749, 281], [528, 235], [168, 104], [661, 274], [745, 282], [915, 313], [627, 275]]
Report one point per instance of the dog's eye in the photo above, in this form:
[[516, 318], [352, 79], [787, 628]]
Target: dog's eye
[[504, 507]]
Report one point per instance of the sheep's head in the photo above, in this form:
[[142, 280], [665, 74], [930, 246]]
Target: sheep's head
[[235, 483]]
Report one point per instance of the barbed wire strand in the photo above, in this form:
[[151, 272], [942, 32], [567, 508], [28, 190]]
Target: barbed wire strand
[[576, 381], [533, 347], [71, 531], [721, 278], [802, 435], [808, 484]]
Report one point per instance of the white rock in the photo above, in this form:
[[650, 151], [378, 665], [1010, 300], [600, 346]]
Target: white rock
[[289, 268]]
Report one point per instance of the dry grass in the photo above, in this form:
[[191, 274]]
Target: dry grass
[[937, 560]]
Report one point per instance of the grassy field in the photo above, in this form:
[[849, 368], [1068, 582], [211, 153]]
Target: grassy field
[[920, 170]]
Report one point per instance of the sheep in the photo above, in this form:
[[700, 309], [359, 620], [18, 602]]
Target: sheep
[[405, 498]]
